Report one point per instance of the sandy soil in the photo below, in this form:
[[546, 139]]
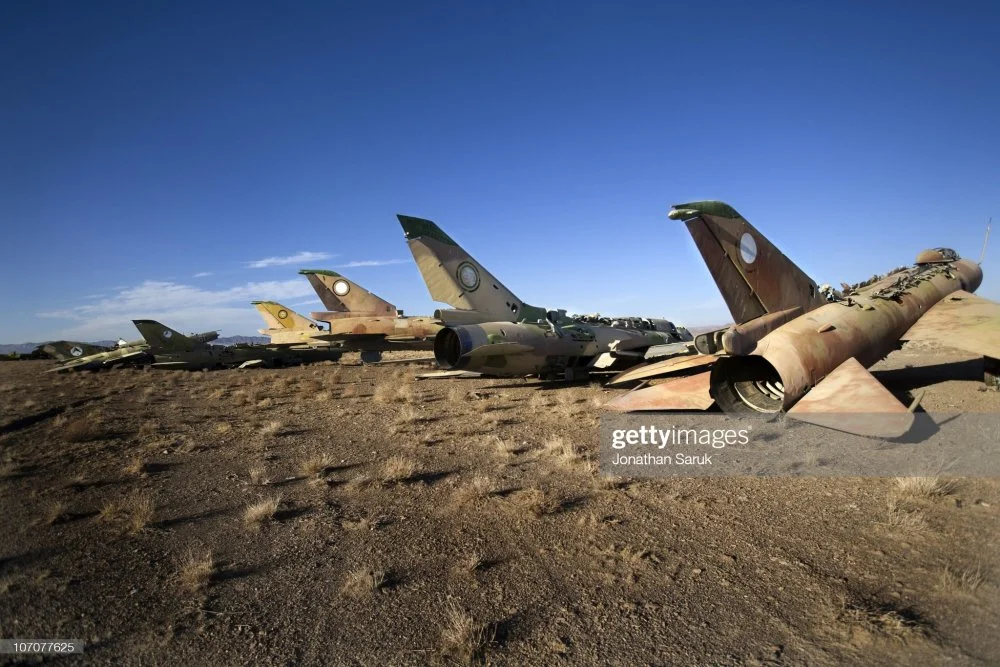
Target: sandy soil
[[459, 521]]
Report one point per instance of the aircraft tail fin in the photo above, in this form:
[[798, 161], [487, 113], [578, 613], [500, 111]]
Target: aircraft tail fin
[[160, 336], [344, 295], [453, 276], [278, 316], [62, 350], [755, 278]]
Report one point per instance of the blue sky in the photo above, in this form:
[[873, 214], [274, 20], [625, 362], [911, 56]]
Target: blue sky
[[151, 152]]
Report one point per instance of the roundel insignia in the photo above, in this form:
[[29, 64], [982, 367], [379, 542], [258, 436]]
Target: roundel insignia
[[76, 351], [341, 287], [748, 248], [167, 333], [282, 314], [468, 276]]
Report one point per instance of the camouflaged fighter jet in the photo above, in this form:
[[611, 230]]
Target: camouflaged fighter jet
[[804, 349], [67, 350], [362, 321], [76, 358], [173, 350], [494, 332]]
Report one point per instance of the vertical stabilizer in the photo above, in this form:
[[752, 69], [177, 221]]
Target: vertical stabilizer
[[453, 276], [755, 278], [344, 295]]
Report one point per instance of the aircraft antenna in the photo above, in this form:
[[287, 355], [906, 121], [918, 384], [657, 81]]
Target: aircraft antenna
[[982, 255]]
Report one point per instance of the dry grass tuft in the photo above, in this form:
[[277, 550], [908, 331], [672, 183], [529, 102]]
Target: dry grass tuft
[[149, 428], [567, 451], [323, 396], [221, 428], [265, 403], [406, 394], [472, 563], [362, 481], [258, 474], [271, 428], [539, 503], [506, 446], [397, 469], [9, 469], [350, 391], [364, 582], [924, 487], [261, 512], [137, 466], [904, 520], [196, 571], [218, 393], [966, 580], [82, 429], [385, 393], [463, 639], [56, 512], [316, 465], [138, 510], [479, 487], [539, 399], [886, 622], [407, 415]]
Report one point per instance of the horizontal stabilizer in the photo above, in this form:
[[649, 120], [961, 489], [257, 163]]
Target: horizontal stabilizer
[[663, 368], [668, 350], [961, 320], [408, 360], [684, 393], [851, 400], [444, 375]]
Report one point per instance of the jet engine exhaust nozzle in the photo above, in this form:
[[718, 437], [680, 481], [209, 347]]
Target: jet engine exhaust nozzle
[[746, 384], [450, 346]]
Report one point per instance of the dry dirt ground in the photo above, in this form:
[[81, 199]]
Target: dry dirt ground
[[352, 515]]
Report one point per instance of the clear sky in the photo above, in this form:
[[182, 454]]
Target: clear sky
[[152, 153]]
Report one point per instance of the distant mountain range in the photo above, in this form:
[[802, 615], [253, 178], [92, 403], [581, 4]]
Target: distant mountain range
[[26, 348]]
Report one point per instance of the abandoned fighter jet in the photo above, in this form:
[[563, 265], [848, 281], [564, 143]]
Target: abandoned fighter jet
[[361, 321], [173, 350], [492, 331], [286, 327], [78, 357], [67, 350], [802, 349]]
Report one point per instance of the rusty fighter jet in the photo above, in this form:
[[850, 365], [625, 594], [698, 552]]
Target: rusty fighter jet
[[361, 321], [804, 349]]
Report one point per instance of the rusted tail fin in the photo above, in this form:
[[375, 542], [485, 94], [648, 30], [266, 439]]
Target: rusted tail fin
[[343, 295], [755, 278]]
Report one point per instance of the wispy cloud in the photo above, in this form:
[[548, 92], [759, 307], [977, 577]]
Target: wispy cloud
[[203, 274], [303, 257], [184, 307], [371, 262], [310, 302]]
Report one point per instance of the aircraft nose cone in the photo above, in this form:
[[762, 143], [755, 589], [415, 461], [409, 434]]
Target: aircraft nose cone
[[972, 274]]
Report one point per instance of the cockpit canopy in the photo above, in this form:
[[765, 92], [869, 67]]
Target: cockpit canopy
[[937, 256]]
